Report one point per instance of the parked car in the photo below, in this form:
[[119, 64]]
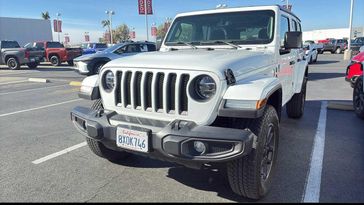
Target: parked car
[[213, 94], [356, 44], [354, 70], [92, 63], [358, 95], [311, 52], [334, 45], [90, 48], [56, 53], [12, 55]]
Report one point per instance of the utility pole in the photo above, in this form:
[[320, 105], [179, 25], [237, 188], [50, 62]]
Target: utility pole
[[347, 53], [146, 18], [110, 13], [59, 37]]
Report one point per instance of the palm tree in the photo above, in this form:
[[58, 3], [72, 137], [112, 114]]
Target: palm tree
[[106, 23], [45, 15]]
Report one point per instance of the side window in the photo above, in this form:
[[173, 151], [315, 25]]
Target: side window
[[151, 47], [121, 50], [284, 28], [39, 45], [143, 48], [133, 48]]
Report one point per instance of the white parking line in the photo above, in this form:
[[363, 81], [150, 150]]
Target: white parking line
[[13, 82], [33, 89], [38, 108], [65, 151], [313, 182]]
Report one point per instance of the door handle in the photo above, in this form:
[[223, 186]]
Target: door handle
[[292, 62]]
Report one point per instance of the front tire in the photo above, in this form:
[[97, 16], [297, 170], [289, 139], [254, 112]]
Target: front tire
[[98, 148], [358, 98], [70, 63], [296, 106], [13, 63], [32, 65], [55, 60], [251, 175]]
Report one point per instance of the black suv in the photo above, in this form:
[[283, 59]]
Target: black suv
[[335, 46]]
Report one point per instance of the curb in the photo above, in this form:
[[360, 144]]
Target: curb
[[38, 80], [346, 105], [75, 83]]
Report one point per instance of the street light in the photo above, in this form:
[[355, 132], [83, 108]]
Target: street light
[[58, 15], [110, 13]]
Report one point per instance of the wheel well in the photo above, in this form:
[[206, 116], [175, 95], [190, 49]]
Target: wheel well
[[52, 54], [276, 101], [10, 56], [306, 72]]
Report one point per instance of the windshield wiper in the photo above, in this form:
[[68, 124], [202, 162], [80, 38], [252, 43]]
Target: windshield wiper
[[187, 44], [229, 43]]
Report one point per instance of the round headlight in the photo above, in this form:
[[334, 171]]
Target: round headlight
[[109, 80], [205, 87]]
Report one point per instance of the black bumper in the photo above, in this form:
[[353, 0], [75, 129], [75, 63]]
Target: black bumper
[[173, 142]]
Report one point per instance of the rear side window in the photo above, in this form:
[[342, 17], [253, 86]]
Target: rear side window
[[284, 28], [54, 45], [9, 44], [100, 45]]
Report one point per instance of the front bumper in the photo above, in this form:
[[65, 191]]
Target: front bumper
[[81, 67], [172, 142]]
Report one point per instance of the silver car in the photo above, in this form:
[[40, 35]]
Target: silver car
[[92, 63]]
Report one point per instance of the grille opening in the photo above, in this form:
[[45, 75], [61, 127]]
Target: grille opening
[[148, 90], [159, 91], [171, 92], [137, 89], [183, 100], [118, 93], [127, 92]]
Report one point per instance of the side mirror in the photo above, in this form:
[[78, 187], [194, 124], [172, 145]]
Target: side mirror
[[293, 40]]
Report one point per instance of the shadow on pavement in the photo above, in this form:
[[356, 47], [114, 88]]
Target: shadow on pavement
[[322, 76]]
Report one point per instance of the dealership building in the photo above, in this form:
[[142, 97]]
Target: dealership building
[[25, 30], [338, 33]]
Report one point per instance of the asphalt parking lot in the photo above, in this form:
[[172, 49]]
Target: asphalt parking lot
[[35, 123]]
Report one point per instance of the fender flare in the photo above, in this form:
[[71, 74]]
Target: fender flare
[[90, 88]]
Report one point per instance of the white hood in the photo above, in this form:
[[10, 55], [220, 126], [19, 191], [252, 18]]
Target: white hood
[[217, 61]]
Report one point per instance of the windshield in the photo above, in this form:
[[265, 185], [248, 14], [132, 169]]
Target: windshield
[[112, 48], [248, 27], [9, 44]]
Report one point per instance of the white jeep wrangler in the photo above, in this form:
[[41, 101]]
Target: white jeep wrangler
[[212, 95]]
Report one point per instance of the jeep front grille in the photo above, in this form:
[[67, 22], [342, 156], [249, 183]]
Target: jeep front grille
[[152, 91]]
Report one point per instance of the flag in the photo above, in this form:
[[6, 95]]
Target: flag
[[59, 26], [154, 31], [141, 7], [87, 38]]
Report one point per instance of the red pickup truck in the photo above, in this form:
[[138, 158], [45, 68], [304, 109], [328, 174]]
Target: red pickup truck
[[56, 53]]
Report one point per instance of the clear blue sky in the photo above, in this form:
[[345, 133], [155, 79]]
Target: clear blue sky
[[85, 15]]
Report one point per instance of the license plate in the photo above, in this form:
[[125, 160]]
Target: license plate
[[132, 139]]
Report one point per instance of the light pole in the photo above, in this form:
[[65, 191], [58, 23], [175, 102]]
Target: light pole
[[110, 13], [287, 3], [58, 15], [347, 53]]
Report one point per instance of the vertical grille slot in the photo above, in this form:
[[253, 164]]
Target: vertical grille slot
[[118, 88], [127, 92], [183, 99], [148, 90], [137, 89], [159, 91], [171, 92]]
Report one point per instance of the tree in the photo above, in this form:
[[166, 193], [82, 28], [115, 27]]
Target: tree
[[162, 30], [45, 15], [121, 33], [106, 23]]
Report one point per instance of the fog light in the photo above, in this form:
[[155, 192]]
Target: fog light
[[200, 147]]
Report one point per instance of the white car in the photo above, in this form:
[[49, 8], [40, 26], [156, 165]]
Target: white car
[[213, 94], [311, 52]]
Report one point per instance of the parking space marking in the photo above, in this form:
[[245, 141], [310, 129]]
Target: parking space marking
[[65, 151], [38, 108], [13, 82], [33, 89], [313, 182]]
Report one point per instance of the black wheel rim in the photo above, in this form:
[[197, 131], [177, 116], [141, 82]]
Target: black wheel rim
[[359, 96], [268, 154], [12, 63]]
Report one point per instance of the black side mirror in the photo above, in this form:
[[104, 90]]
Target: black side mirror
[[293, 40]]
